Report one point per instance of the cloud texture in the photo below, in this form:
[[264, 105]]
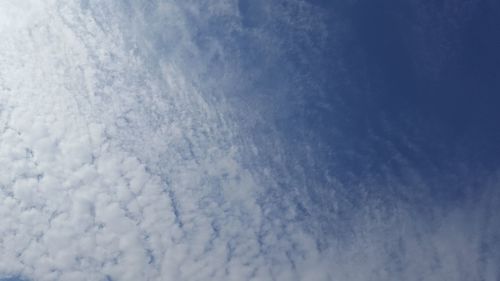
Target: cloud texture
[[130, 150]]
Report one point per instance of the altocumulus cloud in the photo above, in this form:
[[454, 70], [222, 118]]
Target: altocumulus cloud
[[126, 153], [114, 167]]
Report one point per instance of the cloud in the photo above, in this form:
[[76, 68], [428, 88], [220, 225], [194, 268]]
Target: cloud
[[110, 172], [121, 161]]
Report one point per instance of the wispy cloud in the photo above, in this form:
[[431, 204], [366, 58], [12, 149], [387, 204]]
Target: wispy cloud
[[121, 157]]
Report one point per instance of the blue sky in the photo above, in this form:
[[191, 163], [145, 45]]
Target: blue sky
[[249, 140]]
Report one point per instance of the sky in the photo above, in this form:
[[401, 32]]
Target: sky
[[249, 140]]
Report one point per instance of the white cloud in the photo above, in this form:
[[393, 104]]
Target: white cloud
[[115, 163], [78, 203]]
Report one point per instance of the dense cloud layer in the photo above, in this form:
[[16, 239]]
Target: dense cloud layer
[[131, 150]]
